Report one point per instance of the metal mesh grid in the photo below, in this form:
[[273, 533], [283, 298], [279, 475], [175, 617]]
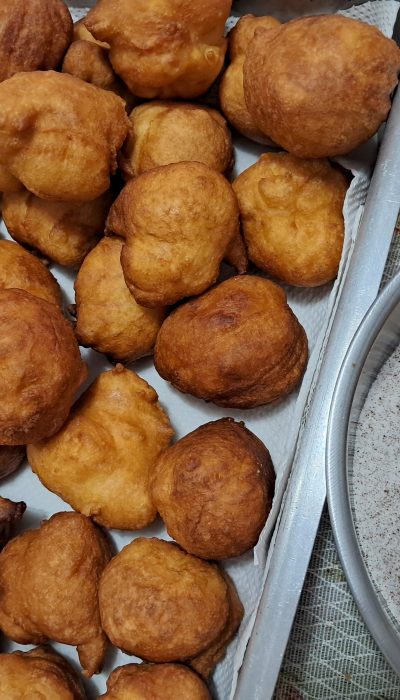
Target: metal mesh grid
[[331, 654]]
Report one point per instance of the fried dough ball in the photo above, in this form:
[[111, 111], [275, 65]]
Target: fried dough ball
[[175, 606], [292, 217], [170, 132], [40, 371], [99, 462], [214, 489], [49, 586], [34, 35], [320, 86], [163, 48], [21, 270], [10, 514], [62, 231], [8, 183], [155, 682], [40, 672], [178, 221], [205, 662], [10, 459], [80, 32], [59, 135], [108, 317], [255, 348], [231, 91], [89, 62]]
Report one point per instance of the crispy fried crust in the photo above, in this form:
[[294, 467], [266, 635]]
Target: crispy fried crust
[[41, 368], [10, 514], [155, 682], [255, 347], [205, 662], [163, 48], [292, 217], [48, 586], [108, 317], [46, 674], [99, 462], [59, 135], [21, 270], [214, 489], [62, 231], [320, 86], [175, 606], [170, 132], [178, 221], [10, 459], [231, 91], [34, 35]]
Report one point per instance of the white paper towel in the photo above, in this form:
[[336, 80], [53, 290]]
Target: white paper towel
[[278, 426]]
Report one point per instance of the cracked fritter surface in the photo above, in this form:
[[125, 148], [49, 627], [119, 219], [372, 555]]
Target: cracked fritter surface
[[99, 461], [255, 347], [170, 132], [59, 135], [174, 607], [108, 317], [163, 48], [320, 86], [21, 270], [41, 368], [62, 231], [49, 586], [231, 90], [179, 221], [292, 217], [155, 682], [214, 488], [34, 35], [39, 673]]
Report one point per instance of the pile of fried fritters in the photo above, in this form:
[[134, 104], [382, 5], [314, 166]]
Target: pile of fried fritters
[[108, 169]]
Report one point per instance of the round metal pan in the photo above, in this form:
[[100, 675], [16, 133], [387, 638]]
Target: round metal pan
[[374, 342]]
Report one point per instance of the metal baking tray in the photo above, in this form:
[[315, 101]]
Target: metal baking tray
[[305, 495], [374, 342]]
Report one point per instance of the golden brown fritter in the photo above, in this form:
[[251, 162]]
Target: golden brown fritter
[[80, 32], [41, 673], [41, 368], [21, 270], [205, 662], [10, 459], [10, 514], [231, 91], [49, 586], [89, 61], [34, 35], [108, 317], [214, 489], [163, 48], [62, 231], [175, 606], [170, 132], [99, 462], [178, 221], [255, 348], [155, 682], [8, 183], [320, 86], [59, 135], [292, 217]]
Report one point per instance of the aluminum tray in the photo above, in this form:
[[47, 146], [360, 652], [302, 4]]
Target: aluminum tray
[[374, 342]]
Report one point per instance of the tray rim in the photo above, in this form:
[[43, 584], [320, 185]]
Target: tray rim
[[338, 496]]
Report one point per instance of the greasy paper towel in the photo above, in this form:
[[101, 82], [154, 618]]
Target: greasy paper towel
[[272, 424]]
